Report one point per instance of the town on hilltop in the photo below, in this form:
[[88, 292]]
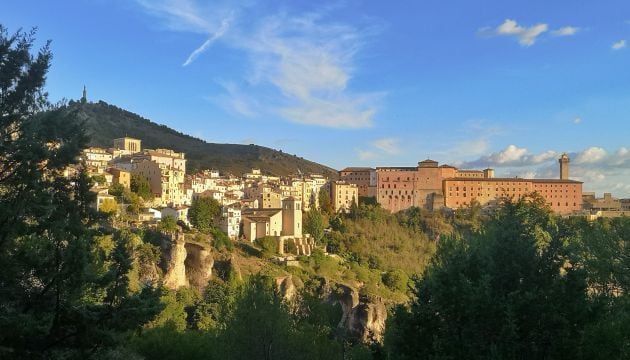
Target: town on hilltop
[[256, 205]]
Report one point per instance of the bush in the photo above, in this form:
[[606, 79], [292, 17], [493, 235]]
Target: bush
[[221, 240], [268, 244], [396, 280]]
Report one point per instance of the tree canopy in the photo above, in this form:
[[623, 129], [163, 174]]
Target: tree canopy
[[60, 295], [202, 212]]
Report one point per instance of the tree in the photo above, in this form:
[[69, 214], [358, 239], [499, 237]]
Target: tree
[[505, 294], [202, 212], [109, 206], [168, 224], [141, 186], [54, 297], [314, 224], [325, 205]]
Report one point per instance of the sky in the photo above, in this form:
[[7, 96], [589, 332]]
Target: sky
[[504, 84]]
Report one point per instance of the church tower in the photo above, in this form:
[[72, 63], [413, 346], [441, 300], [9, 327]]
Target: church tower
[[84, 97], [292, 217], [564, 167]]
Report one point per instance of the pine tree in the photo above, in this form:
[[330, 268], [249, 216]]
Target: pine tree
[[52, 302]]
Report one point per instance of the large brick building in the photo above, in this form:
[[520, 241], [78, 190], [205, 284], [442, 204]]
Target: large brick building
[[432, 186]]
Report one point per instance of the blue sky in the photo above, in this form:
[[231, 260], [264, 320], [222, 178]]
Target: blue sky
[[505, 84]]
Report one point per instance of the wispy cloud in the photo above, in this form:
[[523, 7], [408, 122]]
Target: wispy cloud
[[213, 37], [618, 45], [380, 148], [365, 155], [566, 31], [526, 35], [306, 59], [388, 145], [577, 120]]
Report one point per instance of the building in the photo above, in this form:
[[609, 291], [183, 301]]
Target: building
[[363, 177], [179, 213], [432, 186], [96, 158], [121, 177], [127, 145], [562, 196], [230, 221], [594, 204], [258, 223], [284, 224], [342, 195]]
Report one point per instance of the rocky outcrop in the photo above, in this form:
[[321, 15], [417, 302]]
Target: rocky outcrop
[[363, 319], [198, 264], [175, 275], [286, 287], [187, 264]]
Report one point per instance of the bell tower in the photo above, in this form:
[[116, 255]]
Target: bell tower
[[564, 167]]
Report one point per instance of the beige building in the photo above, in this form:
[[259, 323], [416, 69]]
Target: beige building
[[258, 223], [342, 195], [121, 177], [127, 145], [284, 223], [291, 217], [96, 158], [594, 204]]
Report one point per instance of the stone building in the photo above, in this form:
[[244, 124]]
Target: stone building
[[342, 195], [431, 186], [127, 145], [363, 177]]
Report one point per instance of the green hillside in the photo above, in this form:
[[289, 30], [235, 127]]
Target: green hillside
[[106, 122]]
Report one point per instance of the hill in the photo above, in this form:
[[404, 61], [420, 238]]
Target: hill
[[105, 122]]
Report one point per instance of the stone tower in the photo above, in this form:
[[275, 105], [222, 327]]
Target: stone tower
[[564, 167], [291, 217], [84, 97]]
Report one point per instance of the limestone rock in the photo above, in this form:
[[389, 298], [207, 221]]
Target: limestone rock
[[175, 276], [363, 319]]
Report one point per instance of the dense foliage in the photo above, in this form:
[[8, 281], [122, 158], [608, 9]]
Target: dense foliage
[[202, 213], [527, 286], [63, 292]]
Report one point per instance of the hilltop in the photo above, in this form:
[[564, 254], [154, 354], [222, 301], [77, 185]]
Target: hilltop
[[105, 122]]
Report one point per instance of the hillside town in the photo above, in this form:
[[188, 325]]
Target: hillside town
[[257, 204]]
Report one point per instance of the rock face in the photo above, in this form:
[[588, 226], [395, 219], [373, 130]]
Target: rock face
[[362, 319], [175, 275], [286, 288], [187, 264], [198, 265]]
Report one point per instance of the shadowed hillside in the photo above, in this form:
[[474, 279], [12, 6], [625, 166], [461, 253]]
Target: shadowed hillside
[[106, 122]]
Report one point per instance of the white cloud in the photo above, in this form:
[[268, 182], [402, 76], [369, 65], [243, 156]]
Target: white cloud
[[619, 45], [566, 31], [590, 155], [526, 35], [577, 120], [388, 145], [511, 156], [306, 61]]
